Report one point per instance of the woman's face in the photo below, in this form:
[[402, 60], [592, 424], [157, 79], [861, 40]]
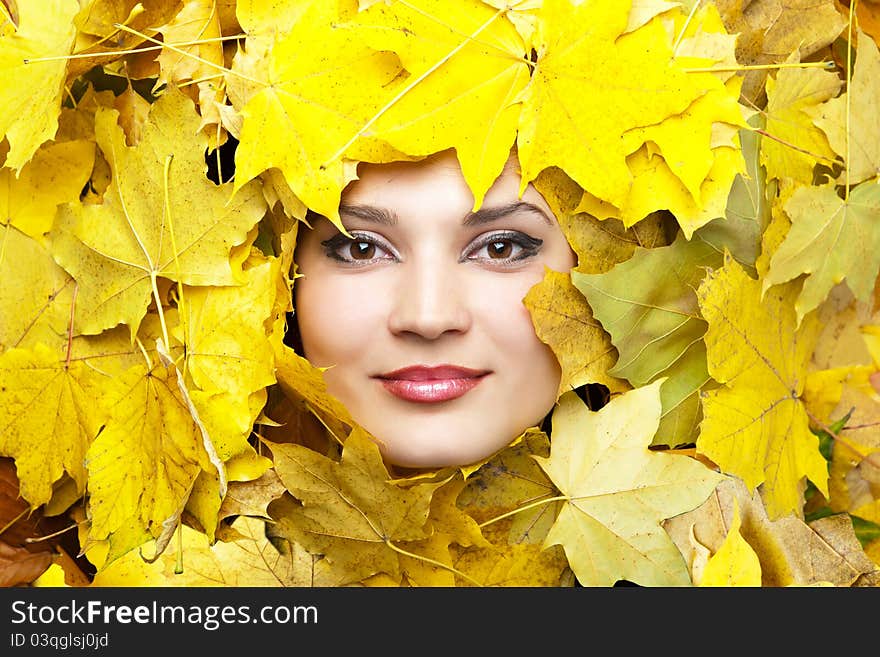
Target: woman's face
[[420, 316]]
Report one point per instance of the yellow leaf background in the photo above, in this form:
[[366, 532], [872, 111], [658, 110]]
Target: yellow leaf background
[[718, 419]]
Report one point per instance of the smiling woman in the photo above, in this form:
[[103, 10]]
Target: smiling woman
[[418, 311]]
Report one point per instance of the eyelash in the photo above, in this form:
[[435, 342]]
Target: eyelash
[[530, 246]]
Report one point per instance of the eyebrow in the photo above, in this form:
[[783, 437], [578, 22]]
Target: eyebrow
[[370, 213], [478, 217], [485, 215]]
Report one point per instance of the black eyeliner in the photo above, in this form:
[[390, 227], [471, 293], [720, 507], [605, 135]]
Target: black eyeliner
[[332, 245], [530, 245]]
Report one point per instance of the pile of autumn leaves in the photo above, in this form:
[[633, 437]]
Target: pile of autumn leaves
[[147, 394]]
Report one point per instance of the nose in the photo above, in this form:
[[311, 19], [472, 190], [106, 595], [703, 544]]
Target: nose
[[430, 301]]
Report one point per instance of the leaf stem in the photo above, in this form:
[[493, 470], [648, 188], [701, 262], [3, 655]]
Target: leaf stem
[[7, 226], [849, 50], [70, 325], [178, 564], [39, 539], [159, 308], [816, 156], [684, 27], [167, 212], [758, 67], [201, 60], [19, 516], [558, 498], [843, 441], [204, 78], [431, 561], [130, 51], [144, 353]]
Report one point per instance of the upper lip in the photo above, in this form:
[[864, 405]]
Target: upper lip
[[432, 373]]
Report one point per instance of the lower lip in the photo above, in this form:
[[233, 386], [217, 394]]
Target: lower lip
[[432, 391]]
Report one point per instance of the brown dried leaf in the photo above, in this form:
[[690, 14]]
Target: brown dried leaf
[[20, 566], [791, 552], [770, 30]]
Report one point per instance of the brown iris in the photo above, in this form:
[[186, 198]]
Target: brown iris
[[500, 249], [362, 250]]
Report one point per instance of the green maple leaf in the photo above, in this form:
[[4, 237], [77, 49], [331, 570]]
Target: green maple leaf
[[649, 306]]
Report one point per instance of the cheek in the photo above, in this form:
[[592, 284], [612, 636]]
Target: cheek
[[508, 321], [335, 317]]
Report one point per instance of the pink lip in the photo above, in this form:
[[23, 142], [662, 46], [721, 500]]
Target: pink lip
[[424, 384]]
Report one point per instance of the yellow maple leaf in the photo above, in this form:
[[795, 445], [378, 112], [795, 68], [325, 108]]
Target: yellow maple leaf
[[97, 31], [617, 491], [198, 21], [36, 294], [855, 455], [735, 563], [305, 111], [689, 162], [45, 29], [656, 187], [305, 393], [224, 330], [793, 97], [678, 138], [847, 120], [831, 239], [37, 301], [449, 519], [573, 119], [50, 412], [755, 425], [142, 466], [687, 140], [229, 418], [160, 217], [600, 243], [519, 565], [245, 557], [523, 14], [251, 496], [644, 10], [514, 502], [747, 213], [55, 174], [510, 495], [563, 320], [464, 60], [450, 527], [853, 473], [348, 511]]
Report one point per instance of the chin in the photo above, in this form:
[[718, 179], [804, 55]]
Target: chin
[[440, 453]]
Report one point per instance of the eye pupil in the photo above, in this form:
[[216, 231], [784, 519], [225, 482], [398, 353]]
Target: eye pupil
[[362, 250], [500, 249]]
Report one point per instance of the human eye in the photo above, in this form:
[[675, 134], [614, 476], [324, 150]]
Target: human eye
[[359, 249], [503, 247]]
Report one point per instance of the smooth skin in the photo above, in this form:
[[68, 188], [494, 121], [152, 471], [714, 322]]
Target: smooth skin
[[425, 282]]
